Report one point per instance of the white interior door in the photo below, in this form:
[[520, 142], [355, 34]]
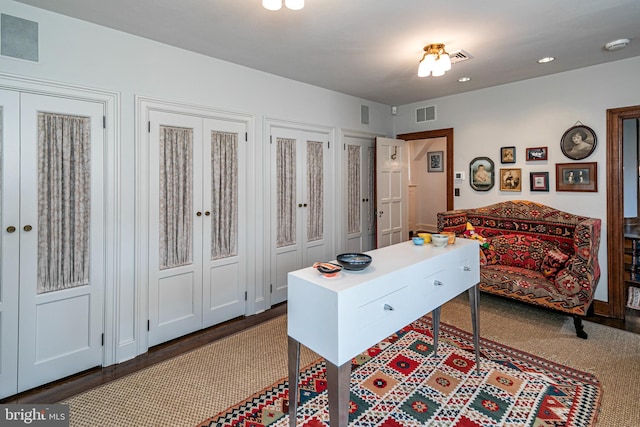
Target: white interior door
[[300, 201], [61, 235], [359, 173], [391, 191], [224, 240], [175, 226], [9, 239]]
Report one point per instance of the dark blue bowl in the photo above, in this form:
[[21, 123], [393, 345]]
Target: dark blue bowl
[[354, 261]]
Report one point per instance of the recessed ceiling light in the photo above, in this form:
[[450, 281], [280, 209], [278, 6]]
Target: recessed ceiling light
[[464, 79], [546, 59], [617, 44]]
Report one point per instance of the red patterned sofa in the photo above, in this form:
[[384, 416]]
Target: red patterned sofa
[[536, 254]]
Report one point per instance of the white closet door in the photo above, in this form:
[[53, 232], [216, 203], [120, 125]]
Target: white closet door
[[61, 297], [9, 240], [301, 199], [224, 245], [359, 193], [176, 216], [391, 192]]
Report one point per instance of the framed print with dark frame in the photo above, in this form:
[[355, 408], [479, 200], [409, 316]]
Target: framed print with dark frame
[[577, 177], [539, 181], [537, 153], [435, 161], [511, 179], [481, 174], [508, 154], [578, 142]]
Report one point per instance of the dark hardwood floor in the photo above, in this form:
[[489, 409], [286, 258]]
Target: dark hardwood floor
[[68, 387]]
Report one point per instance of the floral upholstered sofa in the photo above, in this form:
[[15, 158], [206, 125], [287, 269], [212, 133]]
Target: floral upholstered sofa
[[534, 253]]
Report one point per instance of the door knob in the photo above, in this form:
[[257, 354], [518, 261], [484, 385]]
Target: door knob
[[198, 213], [380, 213], [11, 229], [27, 228], [207, 213]]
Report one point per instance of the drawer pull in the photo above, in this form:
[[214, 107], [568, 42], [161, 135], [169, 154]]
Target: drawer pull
[[438, 283], [466, 268], [388, 307]]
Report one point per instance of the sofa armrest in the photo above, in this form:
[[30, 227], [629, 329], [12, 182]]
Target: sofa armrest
[[582, 271], [455, 221]]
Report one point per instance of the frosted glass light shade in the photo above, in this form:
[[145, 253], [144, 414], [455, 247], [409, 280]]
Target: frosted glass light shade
[[272, 4], [294, 4]]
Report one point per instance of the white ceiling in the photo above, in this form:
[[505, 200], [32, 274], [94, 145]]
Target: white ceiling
[[371, 48]]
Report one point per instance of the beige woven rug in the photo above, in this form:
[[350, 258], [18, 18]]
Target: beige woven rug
[[190, 388]]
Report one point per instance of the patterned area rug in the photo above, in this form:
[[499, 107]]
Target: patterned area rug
[[400, 382]]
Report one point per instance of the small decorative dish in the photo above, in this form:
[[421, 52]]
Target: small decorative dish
[[328, 269], [440, 240], [418, 241], [354, 261]]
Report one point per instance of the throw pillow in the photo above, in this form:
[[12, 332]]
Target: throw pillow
[[517, 250], [554, 261]]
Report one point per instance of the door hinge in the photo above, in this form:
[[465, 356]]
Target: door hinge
[[104, 122], [329, 144], [271, 288], [103, 340], [148, 325], [270, 139], [149, 126], [246, 136], [344, 146], [245, 295]]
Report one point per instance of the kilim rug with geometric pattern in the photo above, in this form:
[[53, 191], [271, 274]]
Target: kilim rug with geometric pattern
[[400, 382]]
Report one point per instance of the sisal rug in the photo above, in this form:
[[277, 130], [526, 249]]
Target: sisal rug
[[400, 382]]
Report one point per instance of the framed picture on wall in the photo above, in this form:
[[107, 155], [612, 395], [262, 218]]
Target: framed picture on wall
[[578, 142], [577, 177], [539, 181], [435, 161], [536, 153], [481, 174], [511, 179], [508, 154]]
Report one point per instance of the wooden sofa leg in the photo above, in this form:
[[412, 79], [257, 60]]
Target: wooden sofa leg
[[577, 322]]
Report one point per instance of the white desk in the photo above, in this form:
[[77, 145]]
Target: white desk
[[343, 316]]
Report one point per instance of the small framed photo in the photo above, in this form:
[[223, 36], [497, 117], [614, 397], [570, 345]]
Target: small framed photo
[[578, 142], [508, 154], [435, 161], [577, 177], [539, 181], [481, 174], [510, 179], [536, 153]]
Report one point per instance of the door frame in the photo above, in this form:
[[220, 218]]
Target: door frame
[[438, 133], [615, 306], [112, 191]]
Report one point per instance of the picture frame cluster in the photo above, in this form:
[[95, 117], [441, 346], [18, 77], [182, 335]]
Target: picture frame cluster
[[577, 143]]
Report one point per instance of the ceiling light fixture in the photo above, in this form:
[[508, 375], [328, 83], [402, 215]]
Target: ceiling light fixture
[[435, 61], [277, 4], [617, 44], [546, 60], [464, 79]]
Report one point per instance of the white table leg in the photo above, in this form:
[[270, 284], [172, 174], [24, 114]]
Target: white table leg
[[435, 316]]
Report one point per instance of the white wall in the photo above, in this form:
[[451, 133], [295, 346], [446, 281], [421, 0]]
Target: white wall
[[81, 53], [534, 113]]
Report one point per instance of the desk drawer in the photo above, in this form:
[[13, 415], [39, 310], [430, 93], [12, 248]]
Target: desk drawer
[[384, 309]]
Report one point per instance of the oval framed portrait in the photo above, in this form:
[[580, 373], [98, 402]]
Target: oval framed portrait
[[481, 174], [578, 142]]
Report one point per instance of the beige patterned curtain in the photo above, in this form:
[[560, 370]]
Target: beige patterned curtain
[[354, 206], [286, 191], [64, 201], [224, 194], [176, 198], [315, 191], [371, 206]]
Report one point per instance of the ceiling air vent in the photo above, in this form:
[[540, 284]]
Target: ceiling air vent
[[425, 114], [459, 56]]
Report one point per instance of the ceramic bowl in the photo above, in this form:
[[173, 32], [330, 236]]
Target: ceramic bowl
[[354, 261], [328, 269], [439, 240], [425, 236], [418, 241]]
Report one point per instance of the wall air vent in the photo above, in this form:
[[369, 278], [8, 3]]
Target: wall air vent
[[425, 114], [459, 56], [364, 114]]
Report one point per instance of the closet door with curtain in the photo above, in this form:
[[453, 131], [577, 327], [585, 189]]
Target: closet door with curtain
[[301, 203], [197, 247], [52, 238]]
